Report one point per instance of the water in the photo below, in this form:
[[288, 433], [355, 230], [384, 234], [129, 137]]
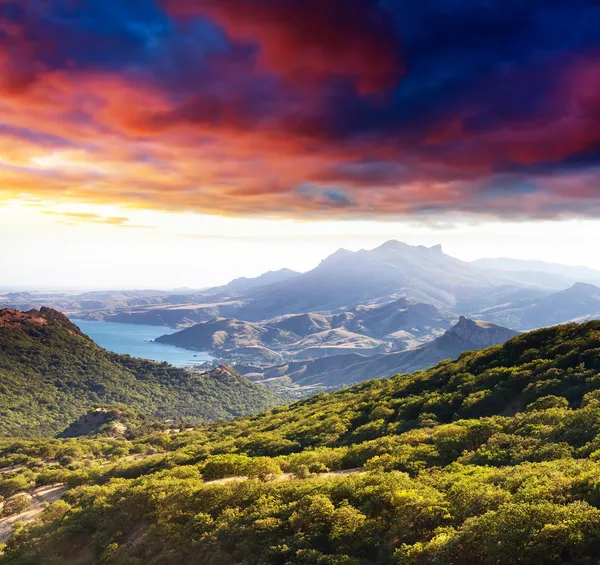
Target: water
[[134, 340]]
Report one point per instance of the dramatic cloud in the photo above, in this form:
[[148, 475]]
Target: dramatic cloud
[[302, 108], [310, 39]]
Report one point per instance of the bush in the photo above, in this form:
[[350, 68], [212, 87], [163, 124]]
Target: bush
[[546, 402], [16, 505], [303, 472]]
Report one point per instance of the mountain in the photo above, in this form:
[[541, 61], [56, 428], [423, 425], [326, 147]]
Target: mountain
[[227, 336], [500, 297], [364, 329], [489, 459], [402, 320], [51, 374], [575, 273], [244, 284], [343, 370], [580, 302], [339, 283], [394, 269], [94, 300], [267, 344]]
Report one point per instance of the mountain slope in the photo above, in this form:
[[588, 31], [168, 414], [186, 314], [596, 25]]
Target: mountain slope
[[575, 273], [344, 370], [367, 330], [486, 460], [577, 303], [402, 320], [347, 278], [244, 284], [267, 344], [51, 374]]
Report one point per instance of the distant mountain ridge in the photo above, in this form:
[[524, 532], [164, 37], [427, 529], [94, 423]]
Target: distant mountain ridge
[[579, 303], [399, 325], [341, 281], [343, 370], [499, 290], [576, 273], [244, 284]]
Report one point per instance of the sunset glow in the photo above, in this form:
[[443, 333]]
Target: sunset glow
[[297, 111]]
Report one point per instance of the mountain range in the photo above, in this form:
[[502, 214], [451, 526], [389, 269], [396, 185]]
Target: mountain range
[[577, 303], [337, 371], [347, 279], [398, 325], [392, 298], [574, 273]]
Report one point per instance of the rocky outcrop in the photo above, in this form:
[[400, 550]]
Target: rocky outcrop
[[481, 334]]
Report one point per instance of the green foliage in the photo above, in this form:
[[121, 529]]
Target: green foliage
[[51, 374], [490, 459]]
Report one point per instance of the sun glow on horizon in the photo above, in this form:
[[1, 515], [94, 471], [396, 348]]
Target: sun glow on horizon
[[101, 246]]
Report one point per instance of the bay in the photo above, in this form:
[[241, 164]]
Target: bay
[[136, 340]]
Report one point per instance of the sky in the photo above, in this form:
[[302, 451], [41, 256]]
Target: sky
[[165, 143]]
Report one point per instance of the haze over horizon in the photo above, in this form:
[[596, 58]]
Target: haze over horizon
[[226, 259], [169, 143]]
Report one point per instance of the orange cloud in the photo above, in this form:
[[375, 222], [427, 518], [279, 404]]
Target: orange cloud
[[88, 217], [77, 135]]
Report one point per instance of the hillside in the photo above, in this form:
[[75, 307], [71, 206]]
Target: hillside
[[51, 374], [490, 459], [401, 324], [578, 303], [343, 370]]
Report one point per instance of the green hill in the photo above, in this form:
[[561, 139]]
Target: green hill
[[491, 459], [51, 374]]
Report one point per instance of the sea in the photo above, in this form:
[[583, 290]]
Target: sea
[[136, 340]]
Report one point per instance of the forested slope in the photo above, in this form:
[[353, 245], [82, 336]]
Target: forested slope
[[490, 459], [51, 374]]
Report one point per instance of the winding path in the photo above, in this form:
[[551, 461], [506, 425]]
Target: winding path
[[39, 496], [51, 493]]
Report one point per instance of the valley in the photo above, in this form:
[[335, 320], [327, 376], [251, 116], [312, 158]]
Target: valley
[[357, 411], [334, 421], [357, 315]]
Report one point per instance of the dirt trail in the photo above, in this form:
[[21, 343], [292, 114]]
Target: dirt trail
[[289, 476], [11, 469], [48, 493], [52, 493]]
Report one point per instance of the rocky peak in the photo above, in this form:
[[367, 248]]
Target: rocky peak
[[481, 334], [10, 318]]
